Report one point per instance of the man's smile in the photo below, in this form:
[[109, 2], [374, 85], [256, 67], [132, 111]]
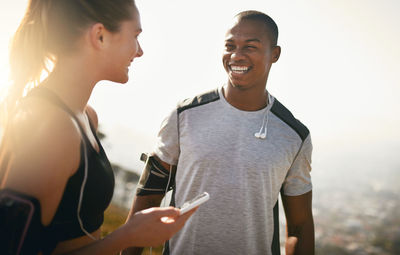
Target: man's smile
[[237, 69]]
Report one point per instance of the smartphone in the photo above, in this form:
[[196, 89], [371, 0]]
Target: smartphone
[[198, 200]]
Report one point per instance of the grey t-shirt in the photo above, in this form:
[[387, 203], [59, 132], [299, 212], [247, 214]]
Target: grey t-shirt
[[215, 150]]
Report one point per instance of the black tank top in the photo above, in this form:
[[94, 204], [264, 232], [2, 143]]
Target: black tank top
[[97, 193]]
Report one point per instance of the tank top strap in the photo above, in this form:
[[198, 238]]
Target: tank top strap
[[53, 98]]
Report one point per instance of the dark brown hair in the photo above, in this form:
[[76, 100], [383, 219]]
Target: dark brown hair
[[50, 27]]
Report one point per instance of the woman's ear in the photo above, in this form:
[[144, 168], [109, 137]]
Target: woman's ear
[[276, 53], [97, 34]]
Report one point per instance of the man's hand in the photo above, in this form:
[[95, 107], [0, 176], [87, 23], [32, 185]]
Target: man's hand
[[300, 224]]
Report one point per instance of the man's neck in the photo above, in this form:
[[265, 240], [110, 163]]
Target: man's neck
[[252, 99]]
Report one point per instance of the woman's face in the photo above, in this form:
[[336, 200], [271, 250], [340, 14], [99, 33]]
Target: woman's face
[[124, 48]]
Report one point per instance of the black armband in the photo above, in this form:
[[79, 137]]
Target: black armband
[[155, 179], [20, 223]]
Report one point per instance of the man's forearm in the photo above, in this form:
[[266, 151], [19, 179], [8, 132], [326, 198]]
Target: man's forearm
[[132, 251], [141, 203], [300, 239], [144, 202]]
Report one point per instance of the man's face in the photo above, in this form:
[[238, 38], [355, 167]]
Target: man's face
[[248, 54]]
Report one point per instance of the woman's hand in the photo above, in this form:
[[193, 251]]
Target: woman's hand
[[154, 226]]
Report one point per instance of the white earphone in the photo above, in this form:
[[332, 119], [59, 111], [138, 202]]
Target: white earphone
[[263, 135], [260, 134]]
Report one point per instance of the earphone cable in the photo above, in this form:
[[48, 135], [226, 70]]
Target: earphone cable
[[83, 186]]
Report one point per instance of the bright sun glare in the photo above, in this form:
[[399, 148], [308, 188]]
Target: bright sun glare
[[11, 14]]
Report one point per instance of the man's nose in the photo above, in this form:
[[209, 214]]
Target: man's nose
[[237, 55]]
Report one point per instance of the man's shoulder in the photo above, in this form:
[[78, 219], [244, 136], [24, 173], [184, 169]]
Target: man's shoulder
[[201, 99], [279, 110]]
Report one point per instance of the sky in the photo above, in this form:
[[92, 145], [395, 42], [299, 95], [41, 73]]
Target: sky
[[338, 73]]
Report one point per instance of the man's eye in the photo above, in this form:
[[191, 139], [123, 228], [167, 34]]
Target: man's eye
[[229, 47]]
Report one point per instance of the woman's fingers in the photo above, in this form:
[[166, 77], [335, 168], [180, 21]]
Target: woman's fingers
[[160, 212]]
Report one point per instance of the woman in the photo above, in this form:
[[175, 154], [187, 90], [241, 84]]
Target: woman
[[50, 156]]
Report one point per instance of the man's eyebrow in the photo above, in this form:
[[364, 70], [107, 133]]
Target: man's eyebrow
[[248, 40], [253, 40]]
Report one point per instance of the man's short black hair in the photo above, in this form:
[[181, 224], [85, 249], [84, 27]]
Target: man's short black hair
[[272, 28]]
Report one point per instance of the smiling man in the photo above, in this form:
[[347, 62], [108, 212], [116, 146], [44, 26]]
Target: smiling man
[[244, 148]]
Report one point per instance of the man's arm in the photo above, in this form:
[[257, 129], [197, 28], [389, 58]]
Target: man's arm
[[141, 203], [300, 224]]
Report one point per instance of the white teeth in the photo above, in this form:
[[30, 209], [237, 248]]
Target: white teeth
[[239, 69]]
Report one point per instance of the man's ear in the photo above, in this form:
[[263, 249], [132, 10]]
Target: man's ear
[[276, 53], [97, 34]]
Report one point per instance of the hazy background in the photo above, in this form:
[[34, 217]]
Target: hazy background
[[338, 73]]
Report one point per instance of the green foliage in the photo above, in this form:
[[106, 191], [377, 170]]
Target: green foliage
[[114, 217]]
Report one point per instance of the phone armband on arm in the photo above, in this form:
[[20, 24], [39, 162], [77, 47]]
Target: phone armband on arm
[[155, 179], [20, 223]]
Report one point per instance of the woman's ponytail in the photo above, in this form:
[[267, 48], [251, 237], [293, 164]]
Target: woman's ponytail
[[28, 53]]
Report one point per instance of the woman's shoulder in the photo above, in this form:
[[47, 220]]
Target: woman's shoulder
[[44, 144], [41, 125]]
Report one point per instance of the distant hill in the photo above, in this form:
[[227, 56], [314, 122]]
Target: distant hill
[[125, 186]]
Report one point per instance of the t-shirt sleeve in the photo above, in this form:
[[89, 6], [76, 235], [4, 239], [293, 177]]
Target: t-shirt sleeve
[[298, 179], [167, 145]]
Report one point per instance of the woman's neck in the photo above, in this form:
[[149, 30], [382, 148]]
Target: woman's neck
[[73, 83]]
